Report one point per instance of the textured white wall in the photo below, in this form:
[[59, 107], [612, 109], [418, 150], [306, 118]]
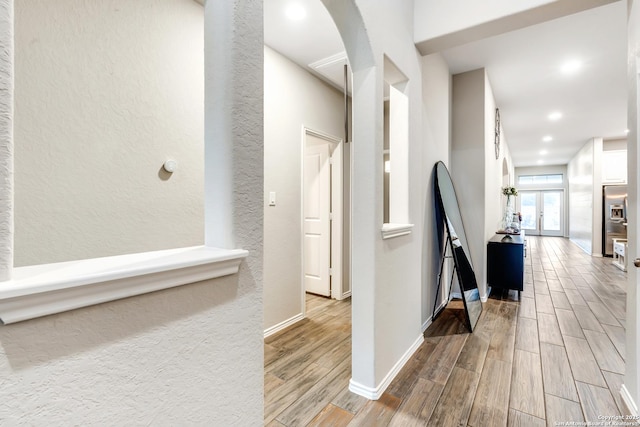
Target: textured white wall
[[6, 138], [580, 172], [106, 91], [176, 357], [293, 98], [190, 355]]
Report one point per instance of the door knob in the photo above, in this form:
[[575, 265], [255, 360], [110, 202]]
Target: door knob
[[636, 262]]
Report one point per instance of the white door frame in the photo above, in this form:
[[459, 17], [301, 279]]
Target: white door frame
[[540, 206], [336, 148]]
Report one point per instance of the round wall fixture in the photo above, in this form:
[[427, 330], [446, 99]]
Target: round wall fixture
[[170, 166]]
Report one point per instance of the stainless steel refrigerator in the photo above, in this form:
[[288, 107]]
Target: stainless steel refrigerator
[[614, 212]]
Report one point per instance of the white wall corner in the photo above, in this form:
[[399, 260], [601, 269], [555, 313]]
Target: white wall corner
[[6, 140], [485, 297], [283, 325], [628, 400], [376, 393], [345, 295], [426, 324]]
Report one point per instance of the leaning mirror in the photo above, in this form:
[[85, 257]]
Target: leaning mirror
[[448, 216]]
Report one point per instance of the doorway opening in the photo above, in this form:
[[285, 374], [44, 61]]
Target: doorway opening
[[542, 212], [322, 215]]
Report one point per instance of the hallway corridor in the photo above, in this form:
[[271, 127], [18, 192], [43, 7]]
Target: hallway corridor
[[555, 355]]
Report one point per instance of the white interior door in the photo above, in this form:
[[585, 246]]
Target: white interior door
[[542, 212], [316, 213]]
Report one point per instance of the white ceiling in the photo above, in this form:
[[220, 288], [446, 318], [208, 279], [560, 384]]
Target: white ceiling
[[313, 42], [523, 67]]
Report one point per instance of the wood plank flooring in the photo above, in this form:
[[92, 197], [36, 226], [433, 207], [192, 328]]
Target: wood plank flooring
[[556, 354]]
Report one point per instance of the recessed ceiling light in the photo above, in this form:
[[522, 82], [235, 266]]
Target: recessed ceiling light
[[295, 12], [547, 138], [571, 67], [543, 152], [626, 131], [556, 115]]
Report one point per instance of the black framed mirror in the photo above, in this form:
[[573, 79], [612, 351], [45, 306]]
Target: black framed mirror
[[449, 217]]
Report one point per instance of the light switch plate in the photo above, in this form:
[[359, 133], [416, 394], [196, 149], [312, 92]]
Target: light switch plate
[[272, 198]]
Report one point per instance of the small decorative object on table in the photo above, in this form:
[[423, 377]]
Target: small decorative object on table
[[511, 218]]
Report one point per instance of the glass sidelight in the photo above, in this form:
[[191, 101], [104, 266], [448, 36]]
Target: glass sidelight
[[542, 212]]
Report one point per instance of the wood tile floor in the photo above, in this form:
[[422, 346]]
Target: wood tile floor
[[557, 354]]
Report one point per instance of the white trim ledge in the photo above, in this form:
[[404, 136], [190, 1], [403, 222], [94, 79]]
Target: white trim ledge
[[628, 400], [376, 393], [396, 230], [45, 289]]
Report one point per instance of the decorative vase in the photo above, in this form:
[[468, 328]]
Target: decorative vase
[[509, 210]]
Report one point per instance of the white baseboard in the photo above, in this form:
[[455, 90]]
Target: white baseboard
[[345, 295], [586, 251], [426, 324], [441, 307], [628, 400], [364, 391], [375, 393], [485, 298], [282, 325]]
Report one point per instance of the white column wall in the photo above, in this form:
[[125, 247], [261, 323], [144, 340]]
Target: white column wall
[[398, 261], [478, 183], [386, 275], [467, 171], [6, 139], [632, 359], [596, 190]]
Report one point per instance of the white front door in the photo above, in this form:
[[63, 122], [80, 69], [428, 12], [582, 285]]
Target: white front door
[[542, 212], [316, 214]]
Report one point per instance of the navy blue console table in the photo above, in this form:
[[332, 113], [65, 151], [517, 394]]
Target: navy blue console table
[[505, 261]]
